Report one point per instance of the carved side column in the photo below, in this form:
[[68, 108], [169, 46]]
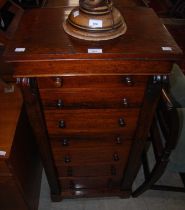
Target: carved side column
[[152, 95], [31, 99]]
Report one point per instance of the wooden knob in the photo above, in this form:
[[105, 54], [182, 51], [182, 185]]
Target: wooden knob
[[69, 171], [125, 102], [128, 80], [61, 124], [115, 157], [122, 122], [58, 82], [118, 140], [65, 142], [59, 103], [113, 170], [67, 159]]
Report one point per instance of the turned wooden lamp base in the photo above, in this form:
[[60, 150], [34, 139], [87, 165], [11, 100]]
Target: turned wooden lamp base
[[93, 36], [95, 20]]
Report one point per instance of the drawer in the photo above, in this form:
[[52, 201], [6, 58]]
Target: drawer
[[89, 183], [4, 170], [91, 170], [106, 155], [92, 120], [92, 98], [84, 141], [95, 81]]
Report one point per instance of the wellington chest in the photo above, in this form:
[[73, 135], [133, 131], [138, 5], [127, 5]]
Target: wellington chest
[[91, 103]]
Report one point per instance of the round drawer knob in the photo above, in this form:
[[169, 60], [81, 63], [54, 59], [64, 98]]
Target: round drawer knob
[[61, 124], [67, 159], [59, 103], [125, 102], [128, 80], [118, 140], [115, 157], [122, 122], [65, 142], [58, 82]]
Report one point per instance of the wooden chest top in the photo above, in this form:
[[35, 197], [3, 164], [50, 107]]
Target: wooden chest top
[[41, 35], [40, 47]]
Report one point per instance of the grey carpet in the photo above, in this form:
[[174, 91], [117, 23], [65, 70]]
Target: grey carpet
[[150, 200]]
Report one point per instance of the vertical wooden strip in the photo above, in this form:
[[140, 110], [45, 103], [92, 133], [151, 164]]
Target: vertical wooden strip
[[34, 111], [151, 98]]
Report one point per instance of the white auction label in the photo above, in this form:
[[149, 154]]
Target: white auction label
[[76, 13], [2, 153], [166, 48], [20, 49], [95, 23], [95, 50]]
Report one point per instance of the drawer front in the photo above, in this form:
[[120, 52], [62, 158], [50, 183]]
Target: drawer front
[[92, 98], [96, 121], [89, 183], [91, 121], [84, 141], [108, 155], [91, 170], [91, 81]]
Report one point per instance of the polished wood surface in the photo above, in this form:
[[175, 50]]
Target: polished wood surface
[[73, 92], [116, 98], [10, 107], [91, 110], [93, 155], [96, 170], [45, 41], [20, 162], [95, 121], [96, 81]]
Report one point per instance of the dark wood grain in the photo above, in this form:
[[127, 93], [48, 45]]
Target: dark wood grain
[[91, 170], [91, 141], [152, 96], [92, 156], [91, 87], [12, 193], [44, 41], [4, 170], [99, 98], [39, 129], [18, 189], [95, 81], [95, 121]]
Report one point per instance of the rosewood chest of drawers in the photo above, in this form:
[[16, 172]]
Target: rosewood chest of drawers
[[91, 112]]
